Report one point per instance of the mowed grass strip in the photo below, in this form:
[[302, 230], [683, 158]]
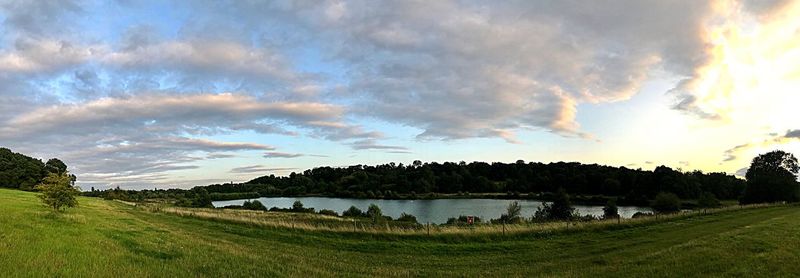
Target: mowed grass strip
[[106, 238]]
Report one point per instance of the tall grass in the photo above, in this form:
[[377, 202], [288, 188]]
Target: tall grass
[[317, 222]]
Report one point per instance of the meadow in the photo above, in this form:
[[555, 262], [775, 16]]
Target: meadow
[[111, 238]]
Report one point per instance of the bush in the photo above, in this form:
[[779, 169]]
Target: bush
[[610, 210], [353, 211], [57, 191], [374, 212], [462, 220], [512, 215], [328, 212], [666, 203], [559, 209], [708, 200], [254, 205], [404, 217]]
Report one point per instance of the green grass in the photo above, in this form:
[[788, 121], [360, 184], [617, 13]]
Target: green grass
[[110, 239]]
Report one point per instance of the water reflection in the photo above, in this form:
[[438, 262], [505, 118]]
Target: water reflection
[[433, 211]]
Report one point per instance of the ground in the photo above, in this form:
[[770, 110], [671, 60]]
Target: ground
[[112, 239]]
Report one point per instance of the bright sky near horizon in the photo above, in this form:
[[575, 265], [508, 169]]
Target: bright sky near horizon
[[143, 94]]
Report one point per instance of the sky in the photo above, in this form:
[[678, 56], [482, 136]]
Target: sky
[[144, 94]]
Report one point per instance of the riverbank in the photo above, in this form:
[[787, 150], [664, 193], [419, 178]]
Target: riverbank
[[112, 239]]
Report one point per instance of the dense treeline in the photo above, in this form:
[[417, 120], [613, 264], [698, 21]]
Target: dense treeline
[[195, 197], [395, 180], [23, 172]]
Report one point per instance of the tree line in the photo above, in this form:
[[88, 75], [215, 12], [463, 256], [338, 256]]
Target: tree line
[[20, 171], [517, 179]]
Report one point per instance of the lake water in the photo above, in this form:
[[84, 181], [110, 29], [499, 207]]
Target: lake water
[[433, 211]]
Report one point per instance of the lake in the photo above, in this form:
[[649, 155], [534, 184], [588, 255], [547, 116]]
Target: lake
[[433, 211]]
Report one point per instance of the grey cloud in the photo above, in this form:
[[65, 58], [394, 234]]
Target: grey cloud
[[465, 69], [732, 153], [281, 155], [373, 145], [793, 134], [258, 169], [39, 17]]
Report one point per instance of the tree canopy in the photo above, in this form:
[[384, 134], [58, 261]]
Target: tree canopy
[[772, 177], [57, 191], [23, 172], [633, 186]]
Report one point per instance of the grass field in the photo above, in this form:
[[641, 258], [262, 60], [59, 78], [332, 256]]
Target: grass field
[[112, 239]]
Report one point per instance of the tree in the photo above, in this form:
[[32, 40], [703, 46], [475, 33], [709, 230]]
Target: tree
[[353, 211], [57, 191], [559, 209], [708, 200], [375, 213], [55, 165], [298, 206], [610, 210], [666, 203], [254, 205], [513, 213], [772, 177], [201, 198], [405, 217]]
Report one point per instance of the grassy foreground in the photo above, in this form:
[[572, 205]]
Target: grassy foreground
[[105, 238]]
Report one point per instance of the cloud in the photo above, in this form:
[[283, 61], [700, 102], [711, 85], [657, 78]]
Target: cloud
[[373, 145], [747, 62], [281, 155], [258, 169], [793, 134], [195, 114], [148, 135], [144, 95], [734, 153], [464, 69]]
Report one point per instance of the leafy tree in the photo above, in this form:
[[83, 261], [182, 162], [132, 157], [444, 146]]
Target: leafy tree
[[405, 217], [298, 206], [772, 177], [559, 209], [353, 211], [610, 210], [254, 205], [513, 213], [374, 212], [200, 198], [708, 200], [57, 191], [666, 203], [55, 165]]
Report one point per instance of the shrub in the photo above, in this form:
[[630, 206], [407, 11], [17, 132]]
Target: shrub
[[404, 217], [57, 191], [254, 205], [512, 215], [559, 209], [666, 203], [374, 212], [353, 211], [708, 200], [610, 210], [462, 220], [328, 212]]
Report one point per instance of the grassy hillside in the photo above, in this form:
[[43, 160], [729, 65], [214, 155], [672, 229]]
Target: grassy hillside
[[104, 238]]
